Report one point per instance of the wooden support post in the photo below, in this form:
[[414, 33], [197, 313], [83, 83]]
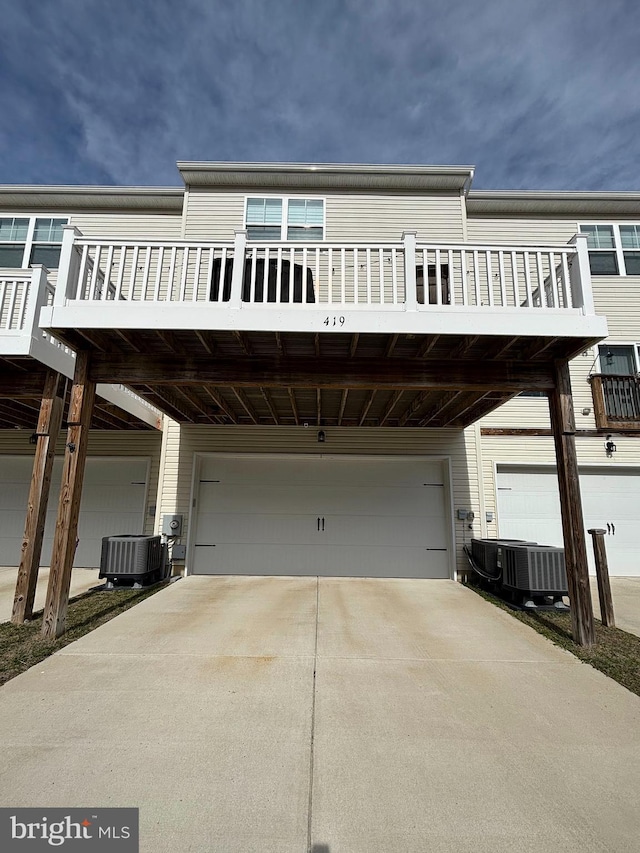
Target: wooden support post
[[47, 432], [64, 543], [575, 548], [602, 572]]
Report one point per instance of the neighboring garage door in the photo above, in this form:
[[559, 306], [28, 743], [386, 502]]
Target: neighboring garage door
[[529, 508], [113, 501], [321, 516]]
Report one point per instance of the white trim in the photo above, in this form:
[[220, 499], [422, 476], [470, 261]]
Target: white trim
[[617, 240], [285, 215], [447, 481]]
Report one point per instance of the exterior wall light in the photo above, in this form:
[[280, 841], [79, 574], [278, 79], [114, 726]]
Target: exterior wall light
[[321, 436], [609, 447]]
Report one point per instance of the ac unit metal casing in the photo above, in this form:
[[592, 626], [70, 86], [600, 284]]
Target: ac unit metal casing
[[131, 556], [536, 569], [485, 552]]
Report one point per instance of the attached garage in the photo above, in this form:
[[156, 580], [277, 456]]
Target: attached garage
[[321, 515], [529, 508], [113, 501]]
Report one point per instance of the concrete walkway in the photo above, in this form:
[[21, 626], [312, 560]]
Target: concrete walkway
[[81, 581], [284, 715], [626, 602]]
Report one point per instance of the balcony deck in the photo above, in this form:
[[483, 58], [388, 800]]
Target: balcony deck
[[26, 352], [394, 334]]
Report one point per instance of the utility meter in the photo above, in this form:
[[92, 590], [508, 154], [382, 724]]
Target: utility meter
[[172, 525]]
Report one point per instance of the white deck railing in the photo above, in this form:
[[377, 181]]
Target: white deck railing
[[396, 276]]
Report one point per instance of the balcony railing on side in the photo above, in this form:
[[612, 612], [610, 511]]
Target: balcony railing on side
[[616, 401], [390, 276]]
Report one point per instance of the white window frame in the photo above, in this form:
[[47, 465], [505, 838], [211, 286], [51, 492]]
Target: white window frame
[[635, 345], [617, 242], [31, 227], [285, 199]]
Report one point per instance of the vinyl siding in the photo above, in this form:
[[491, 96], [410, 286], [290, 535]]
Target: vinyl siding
[[101, 443], [182, 442], [539, 450], [133, 225], [349, 217], [618, 297], [516, 230], [534, 411]]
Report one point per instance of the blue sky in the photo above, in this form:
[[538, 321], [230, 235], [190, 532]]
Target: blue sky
[[537, 94]]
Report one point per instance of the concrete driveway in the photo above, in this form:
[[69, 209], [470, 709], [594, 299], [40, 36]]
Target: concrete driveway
[[81, 581], [286, 715]]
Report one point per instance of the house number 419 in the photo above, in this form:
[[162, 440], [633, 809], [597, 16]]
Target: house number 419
[[334, 321]]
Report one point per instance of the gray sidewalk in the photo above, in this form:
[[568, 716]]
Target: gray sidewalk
[[272, 715]]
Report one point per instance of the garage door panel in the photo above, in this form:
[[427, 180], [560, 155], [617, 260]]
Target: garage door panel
[[529, 508], [380, 530], [349, 561], [380, 517], [246, 559], [113, 501]]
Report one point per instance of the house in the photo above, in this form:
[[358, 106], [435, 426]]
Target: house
[[356, 364]]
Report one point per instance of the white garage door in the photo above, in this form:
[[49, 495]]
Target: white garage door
[[113, 501], [529, 508], [321, 516]]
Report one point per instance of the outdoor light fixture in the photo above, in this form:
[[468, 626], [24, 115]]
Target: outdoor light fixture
[[609, 446], [33, 438], [609, 358], [321, 436]]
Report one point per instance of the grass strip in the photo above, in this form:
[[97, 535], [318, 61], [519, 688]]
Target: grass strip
[[22, 646], [616, 653]]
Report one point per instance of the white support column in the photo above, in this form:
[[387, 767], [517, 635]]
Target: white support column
[[67, 282], [36, 299], [410, 289], [580, 275], [239, 254]]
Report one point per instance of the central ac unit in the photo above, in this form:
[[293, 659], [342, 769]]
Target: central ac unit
[[127, 557]]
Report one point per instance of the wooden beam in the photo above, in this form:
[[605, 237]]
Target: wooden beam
[[343, 403], [427, 346], [391, 345], [316, 344], [318, 406], [169, 403], [128, 339], [466, 405], [66, 531], [217, 399], [272, 411], [358, 372], [294, 405], [49, 423], [507, 346], [393, 400], [15, 385], [279, 344], [208, 341], [416, 404], [246, 405], [575, 549], [170, 340], [193, 401], [466, 344], [244, 342], [441, 405], [365, 408], [354, 344]]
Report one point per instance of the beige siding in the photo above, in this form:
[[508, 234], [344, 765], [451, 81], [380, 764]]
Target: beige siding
[[619, 298], [355, 216], [516, 230], [183, 442], [134, 225], [534, 411], [539, 450], [101, 443]]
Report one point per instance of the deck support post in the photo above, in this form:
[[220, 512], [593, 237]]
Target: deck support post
[[49, 422], [575, 547], [64, 543]]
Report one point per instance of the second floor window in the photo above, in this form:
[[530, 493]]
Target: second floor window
[[26, 240], [614, 249], [283, 219]]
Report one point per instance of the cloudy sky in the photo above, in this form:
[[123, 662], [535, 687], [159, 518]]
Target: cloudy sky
[[537, 94]]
